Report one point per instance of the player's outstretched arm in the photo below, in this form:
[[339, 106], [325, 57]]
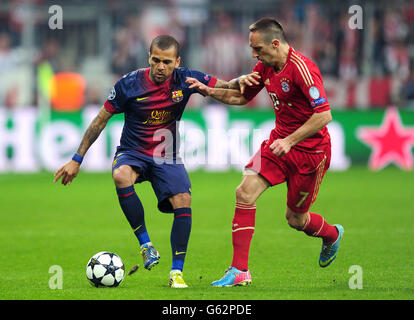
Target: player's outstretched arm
[[225, 95], [70, 170], [240, 83]]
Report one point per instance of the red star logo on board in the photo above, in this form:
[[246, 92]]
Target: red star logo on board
[[390, 143]]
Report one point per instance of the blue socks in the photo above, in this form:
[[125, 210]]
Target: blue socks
[[180, 233], [134, 212]]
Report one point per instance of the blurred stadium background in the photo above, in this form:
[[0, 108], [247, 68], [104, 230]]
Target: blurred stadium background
[[66, 73], [103, 39]]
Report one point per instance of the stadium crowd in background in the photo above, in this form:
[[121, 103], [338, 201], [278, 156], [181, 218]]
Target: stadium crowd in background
[[108, 39]]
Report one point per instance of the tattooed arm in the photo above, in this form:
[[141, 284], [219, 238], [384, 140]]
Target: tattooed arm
[[232, 84], [227, 92], [93, 131], [70, 170], [239, 83]]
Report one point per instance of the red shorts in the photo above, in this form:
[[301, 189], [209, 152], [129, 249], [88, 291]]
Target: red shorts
[[302, 171]]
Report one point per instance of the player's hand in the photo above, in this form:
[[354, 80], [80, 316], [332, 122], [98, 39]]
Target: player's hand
[[68, 172], [250, 79], [201, 87], [280, 147]]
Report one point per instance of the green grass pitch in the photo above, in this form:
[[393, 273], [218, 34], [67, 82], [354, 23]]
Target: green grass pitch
[[44, 224]]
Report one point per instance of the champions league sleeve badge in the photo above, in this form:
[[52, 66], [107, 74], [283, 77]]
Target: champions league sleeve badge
[[314, 92], [112, 94]]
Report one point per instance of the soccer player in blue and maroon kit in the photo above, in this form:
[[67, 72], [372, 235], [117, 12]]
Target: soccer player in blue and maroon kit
[[297, 152], [152, 100]]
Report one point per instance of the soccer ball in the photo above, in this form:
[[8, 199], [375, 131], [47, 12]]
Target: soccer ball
[[105, 269]]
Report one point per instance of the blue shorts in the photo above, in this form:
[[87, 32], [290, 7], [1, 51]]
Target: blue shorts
[[167, 179]]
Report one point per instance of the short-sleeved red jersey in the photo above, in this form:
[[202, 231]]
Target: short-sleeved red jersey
[[296, 92]]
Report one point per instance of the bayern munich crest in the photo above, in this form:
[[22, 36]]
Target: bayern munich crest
[[177, 96], [285, 86]]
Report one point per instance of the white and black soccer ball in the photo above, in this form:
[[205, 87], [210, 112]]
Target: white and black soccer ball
[[105, 269]]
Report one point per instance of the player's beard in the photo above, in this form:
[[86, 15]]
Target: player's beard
[[158, 77], [267, 64]]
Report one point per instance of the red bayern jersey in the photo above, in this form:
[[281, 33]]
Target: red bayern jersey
[[297, 93]]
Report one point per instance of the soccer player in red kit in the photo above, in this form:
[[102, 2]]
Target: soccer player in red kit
[[297, 152]]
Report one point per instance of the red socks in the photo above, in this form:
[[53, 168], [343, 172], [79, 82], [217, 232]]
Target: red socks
[[316, 226], [243, 229]]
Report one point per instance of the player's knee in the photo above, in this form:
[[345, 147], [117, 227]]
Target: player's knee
[[243, 195], [185, 199], [122, 177], [181, 200], [295, 224], [295, 220]]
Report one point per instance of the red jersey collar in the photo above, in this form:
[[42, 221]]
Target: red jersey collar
[[287, 60]]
